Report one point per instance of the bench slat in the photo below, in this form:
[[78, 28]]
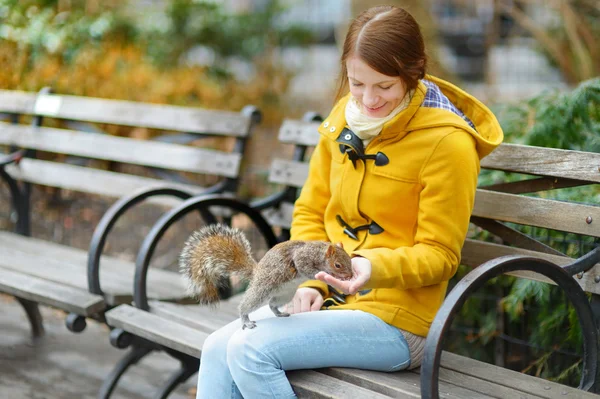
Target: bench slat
[[203, 318], [17, 102], [298, 132], [578, 165], [121, 149], [402, 384], [511, 236], [280, 217], [157, 329], [130, 113], [289, 173], [312, 384], [50, 293], [500, 206], [534, 185], [476, 252], [88, 180], [538, 212], [481, 386], [116, 290], [511, 379], [68, 266]]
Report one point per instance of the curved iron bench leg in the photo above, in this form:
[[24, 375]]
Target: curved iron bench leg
[[110, 218], [18, 203], [189, 367], [202, 203], [76, 323], [22, 227], [474, 280], [135, 354], [34, 316]]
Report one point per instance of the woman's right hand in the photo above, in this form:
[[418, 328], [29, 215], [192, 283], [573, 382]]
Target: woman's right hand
[[305, 300]]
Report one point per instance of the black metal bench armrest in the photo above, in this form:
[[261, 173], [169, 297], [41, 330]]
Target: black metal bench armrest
[[271, 201], [17, 202], [202, 203], [109, 219], [585, 263], [475, 279]]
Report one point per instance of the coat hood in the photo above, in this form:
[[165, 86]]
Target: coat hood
[[435, 103]]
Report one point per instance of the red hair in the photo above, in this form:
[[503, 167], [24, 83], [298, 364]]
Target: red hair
[[389, 40]]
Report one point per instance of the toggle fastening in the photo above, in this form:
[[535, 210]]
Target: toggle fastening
[[352, 232], [352, 145]]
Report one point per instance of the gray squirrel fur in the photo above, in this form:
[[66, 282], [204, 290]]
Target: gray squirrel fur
[[216, 251]]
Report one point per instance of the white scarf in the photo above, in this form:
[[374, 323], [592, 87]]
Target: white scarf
[[366, 127]]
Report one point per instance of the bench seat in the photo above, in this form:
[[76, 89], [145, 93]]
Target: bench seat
[[66, 266], [50, 293], [184, 329]]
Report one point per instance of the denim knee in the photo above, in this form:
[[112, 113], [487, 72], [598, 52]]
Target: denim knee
[[245, 353], [215, 348]]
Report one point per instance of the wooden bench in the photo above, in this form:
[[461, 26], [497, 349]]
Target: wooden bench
[[38, 271], [182, 329]]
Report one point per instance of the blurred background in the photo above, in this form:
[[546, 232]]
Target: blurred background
[[534, 62], [282, 55]]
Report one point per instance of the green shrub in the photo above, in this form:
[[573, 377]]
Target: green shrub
[[529, 325]]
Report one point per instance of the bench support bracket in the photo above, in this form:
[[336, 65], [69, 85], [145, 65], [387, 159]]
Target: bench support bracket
[[34, 316], [475, 279], [189, 367], [135, 354]]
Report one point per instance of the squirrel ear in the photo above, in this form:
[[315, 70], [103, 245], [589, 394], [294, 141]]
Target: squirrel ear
[[330, 251], [339, 245]]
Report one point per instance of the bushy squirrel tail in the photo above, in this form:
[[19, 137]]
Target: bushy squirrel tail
[[210, 255]]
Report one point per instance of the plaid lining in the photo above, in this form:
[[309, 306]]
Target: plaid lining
[[434, 98]]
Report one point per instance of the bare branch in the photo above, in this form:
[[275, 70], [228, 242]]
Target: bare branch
[[571, 19], [541, 36]]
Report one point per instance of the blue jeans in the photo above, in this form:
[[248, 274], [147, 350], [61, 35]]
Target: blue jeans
[[251, 363]]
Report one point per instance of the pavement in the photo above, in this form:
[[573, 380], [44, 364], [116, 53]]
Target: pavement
[[62, 364]]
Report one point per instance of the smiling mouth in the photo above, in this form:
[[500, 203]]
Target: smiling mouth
[[374, 109]]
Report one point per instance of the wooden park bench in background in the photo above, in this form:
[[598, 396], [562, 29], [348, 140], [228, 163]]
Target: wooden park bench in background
[[181, 329], [37, 271]]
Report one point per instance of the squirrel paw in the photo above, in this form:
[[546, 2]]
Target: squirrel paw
[[249, 324], [282, 314]]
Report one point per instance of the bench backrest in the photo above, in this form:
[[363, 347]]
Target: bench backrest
[[95, 145], [292, 173], [540, 169], [504, 207]]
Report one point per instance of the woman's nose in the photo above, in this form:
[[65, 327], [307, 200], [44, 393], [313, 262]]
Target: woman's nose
[[369, 98]]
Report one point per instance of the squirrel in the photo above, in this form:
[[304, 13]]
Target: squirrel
[[214, 252]]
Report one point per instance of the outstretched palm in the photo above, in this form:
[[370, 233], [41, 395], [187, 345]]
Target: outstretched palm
[[361, 273]]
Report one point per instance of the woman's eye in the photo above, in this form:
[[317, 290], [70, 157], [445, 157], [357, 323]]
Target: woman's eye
[[356, 84], [385, 88]]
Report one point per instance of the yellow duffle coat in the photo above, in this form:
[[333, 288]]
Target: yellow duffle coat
[[422, 199]]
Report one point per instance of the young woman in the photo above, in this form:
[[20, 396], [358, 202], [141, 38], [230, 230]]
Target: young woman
[[393, 178]]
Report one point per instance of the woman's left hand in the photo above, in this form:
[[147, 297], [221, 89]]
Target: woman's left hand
[[361, 273]]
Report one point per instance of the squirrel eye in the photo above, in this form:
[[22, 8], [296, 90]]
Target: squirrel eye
[[337, 265]]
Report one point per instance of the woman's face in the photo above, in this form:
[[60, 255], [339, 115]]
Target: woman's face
[[377, 94]]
